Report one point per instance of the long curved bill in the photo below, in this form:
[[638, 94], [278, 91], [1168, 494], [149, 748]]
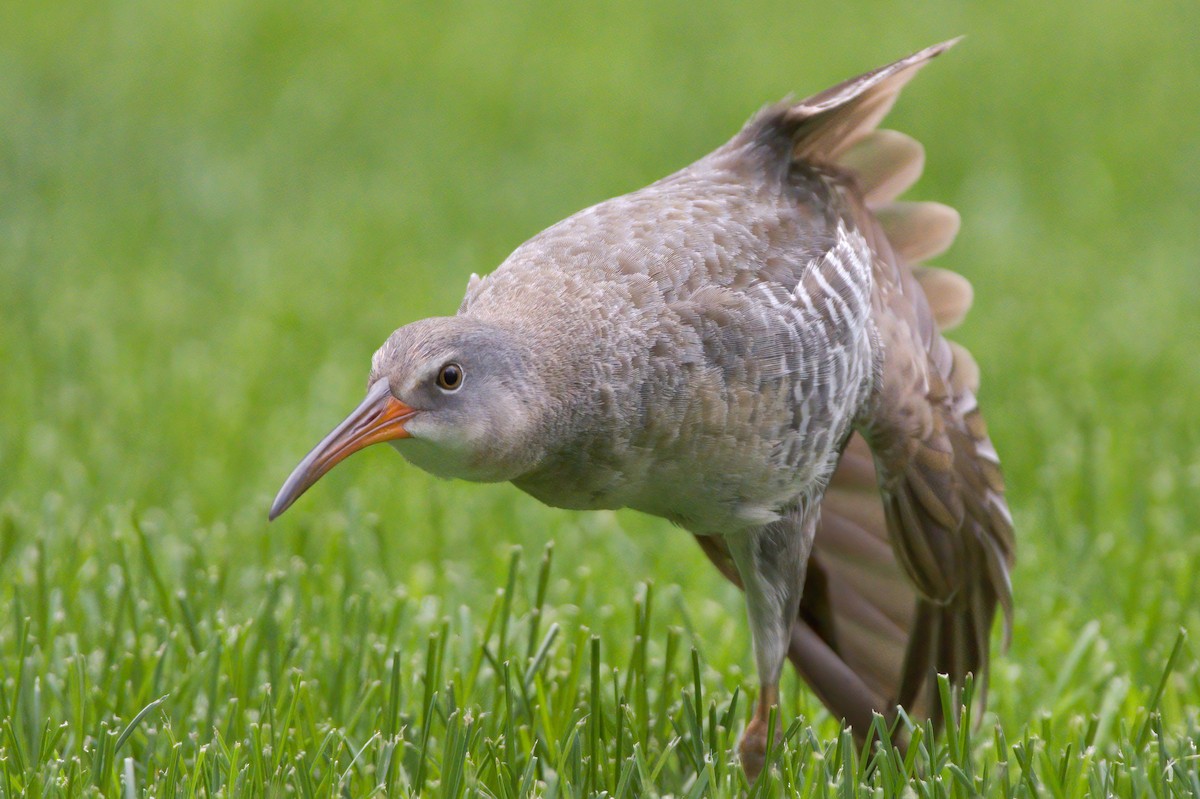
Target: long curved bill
[[380, 417]]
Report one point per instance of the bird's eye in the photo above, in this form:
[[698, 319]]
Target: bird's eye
[[451, 377]]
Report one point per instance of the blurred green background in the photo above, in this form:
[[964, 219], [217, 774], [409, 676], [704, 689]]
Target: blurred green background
[[211, 213]]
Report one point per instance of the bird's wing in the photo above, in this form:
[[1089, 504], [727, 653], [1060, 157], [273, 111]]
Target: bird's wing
[[915, 541], [940, 496], [939, 481]]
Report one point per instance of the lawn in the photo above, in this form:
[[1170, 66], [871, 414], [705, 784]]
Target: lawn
[[211, 213]]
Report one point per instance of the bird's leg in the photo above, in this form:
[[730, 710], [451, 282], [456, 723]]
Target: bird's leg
[[771, 562], [752, 749]]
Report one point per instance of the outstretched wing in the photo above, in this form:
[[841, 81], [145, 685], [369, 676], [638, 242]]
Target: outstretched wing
[[915, 541]]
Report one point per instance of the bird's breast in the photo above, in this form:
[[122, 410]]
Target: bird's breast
[[668, 434]]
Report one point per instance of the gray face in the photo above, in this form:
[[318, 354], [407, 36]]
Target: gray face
[[475, 394], [458, 398]]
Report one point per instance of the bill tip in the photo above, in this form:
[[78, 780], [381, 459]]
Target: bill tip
[[277, 508]]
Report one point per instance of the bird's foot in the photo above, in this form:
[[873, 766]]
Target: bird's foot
[[752, 749]]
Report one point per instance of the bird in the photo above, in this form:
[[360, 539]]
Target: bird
[[751, 349]]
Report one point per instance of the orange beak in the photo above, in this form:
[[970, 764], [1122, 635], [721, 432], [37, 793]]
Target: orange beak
[[380, 417]]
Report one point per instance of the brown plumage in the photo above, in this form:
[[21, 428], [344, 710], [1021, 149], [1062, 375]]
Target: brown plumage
[[745, 348]]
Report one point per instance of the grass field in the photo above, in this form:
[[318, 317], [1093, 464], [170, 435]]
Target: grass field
[[212, 213]]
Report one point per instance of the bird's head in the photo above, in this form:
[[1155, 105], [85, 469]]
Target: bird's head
[[457, 397]]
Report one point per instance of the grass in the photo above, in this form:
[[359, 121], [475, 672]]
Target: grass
[[210, 215]]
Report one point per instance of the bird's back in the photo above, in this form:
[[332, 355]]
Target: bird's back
[[702, 333]]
